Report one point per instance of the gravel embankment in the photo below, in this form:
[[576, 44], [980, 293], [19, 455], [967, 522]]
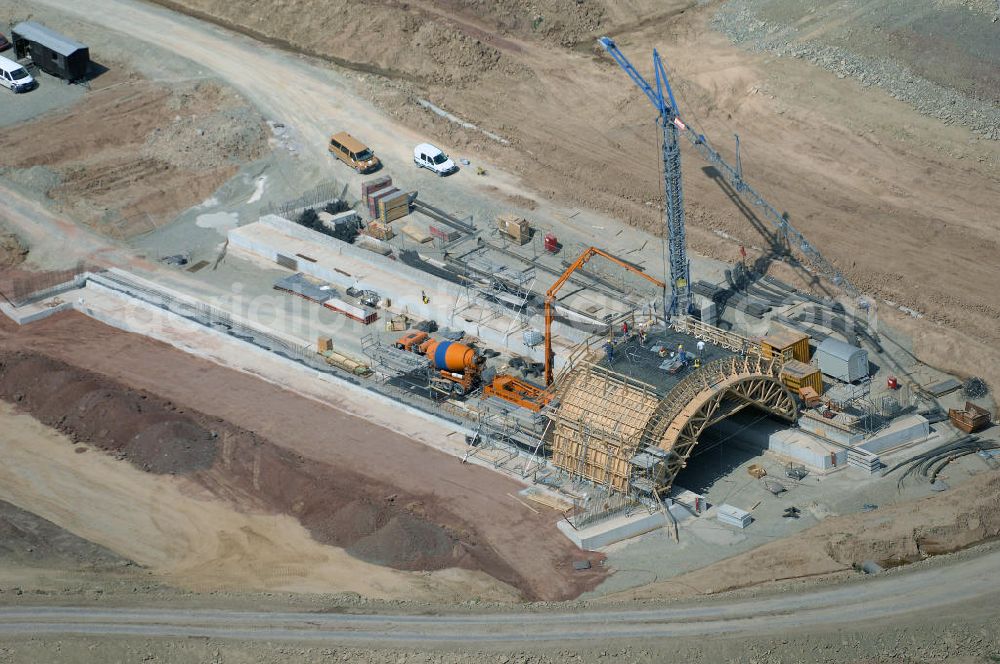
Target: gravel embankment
[[744, 22]]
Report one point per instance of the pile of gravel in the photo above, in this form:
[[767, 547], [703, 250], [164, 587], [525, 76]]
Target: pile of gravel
[[740, 21]]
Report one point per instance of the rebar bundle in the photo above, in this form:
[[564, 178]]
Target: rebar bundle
[[975, 388], [929, 464]]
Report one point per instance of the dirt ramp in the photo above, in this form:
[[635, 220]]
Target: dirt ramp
[[28, 539]]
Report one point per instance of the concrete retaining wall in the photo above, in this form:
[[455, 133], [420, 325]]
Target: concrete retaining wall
[[802, 448], [616, 529], [830, 431], [905, 430]]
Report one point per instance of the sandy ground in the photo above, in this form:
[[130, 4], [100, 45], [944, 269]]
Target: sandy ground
[[133, 153], [958, 632], [186, 537], [891, 535]]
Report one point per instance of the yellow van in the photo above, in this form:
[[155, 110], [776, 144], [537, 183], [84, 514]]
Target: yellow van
[[353, 152]]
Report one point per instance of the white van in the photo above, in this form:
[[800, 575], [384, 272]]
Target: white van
[[15, 77], [433, 159]]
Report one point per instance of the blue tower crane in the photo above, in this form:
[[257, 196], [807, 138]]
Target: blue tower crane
[[670, 123], [733, 175]]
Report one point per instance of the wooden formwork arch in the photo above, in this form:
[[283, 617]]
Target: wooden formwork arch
[[714, 404], [603, 420]]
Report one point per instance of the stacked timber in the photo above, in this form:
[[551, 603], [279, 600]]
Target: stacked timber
[[393, 206], [375, 197], [379, 231]]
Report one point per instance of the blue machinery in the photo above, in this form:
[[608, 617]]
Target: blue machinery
[[672, 126], [680, 266]]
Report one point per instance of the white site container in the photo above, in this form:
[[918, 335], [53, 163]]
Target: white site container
[[842, 361]]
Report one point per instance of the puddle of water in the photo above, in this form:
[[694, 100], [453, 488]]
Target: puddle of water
[[258, 191]]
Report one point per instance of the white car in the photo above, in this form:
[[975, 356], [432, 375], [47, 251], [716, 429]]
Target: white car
[[433, 159]]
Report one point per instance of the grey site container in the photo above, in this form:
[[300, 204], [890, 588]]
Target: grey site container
[[841, 360]]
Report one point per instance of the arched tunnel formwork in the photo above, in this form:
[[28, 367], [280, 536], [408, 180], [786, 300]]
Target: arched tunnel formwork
[[619, 433]]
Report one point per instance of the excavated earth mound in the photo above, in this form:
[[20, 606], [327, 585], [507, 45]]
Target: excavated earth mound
[[338, 506]]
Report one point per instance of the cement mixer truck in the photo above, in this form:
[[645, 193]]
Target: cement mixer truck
[[458, 364]]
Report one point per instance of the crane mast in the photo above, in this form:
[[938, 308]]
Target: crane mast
[[673, 202]]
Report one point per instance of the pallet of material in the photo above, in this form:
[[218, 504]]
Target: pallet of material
[[305, 287], [768, 296], [345, 362], [814, 334], [416, 233], [741, 304], [400, 199], [373, 200], [514, 227], [379, 231], [707, 289], [780, 285], [352, 310], [733, 516], [371, 244], [446, 234]]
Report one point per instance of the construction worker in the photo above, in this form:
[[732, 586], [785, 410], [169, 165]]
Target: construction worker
[[424, 298]]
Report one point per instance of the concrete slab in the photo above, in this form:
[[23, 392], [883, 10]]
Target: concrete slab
[[619, 528], [345, 265]]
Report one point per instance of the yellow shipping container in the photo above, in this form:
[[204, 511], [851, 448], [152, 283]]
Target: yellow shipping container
[[796, 374], [786, 343]]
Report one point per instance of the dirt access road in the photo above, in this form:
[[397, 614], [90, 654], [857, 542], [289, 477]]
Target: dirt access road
[[892, 596]]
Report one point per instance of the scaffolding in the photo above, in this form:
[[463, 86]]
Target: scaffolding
[[507, 443]]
